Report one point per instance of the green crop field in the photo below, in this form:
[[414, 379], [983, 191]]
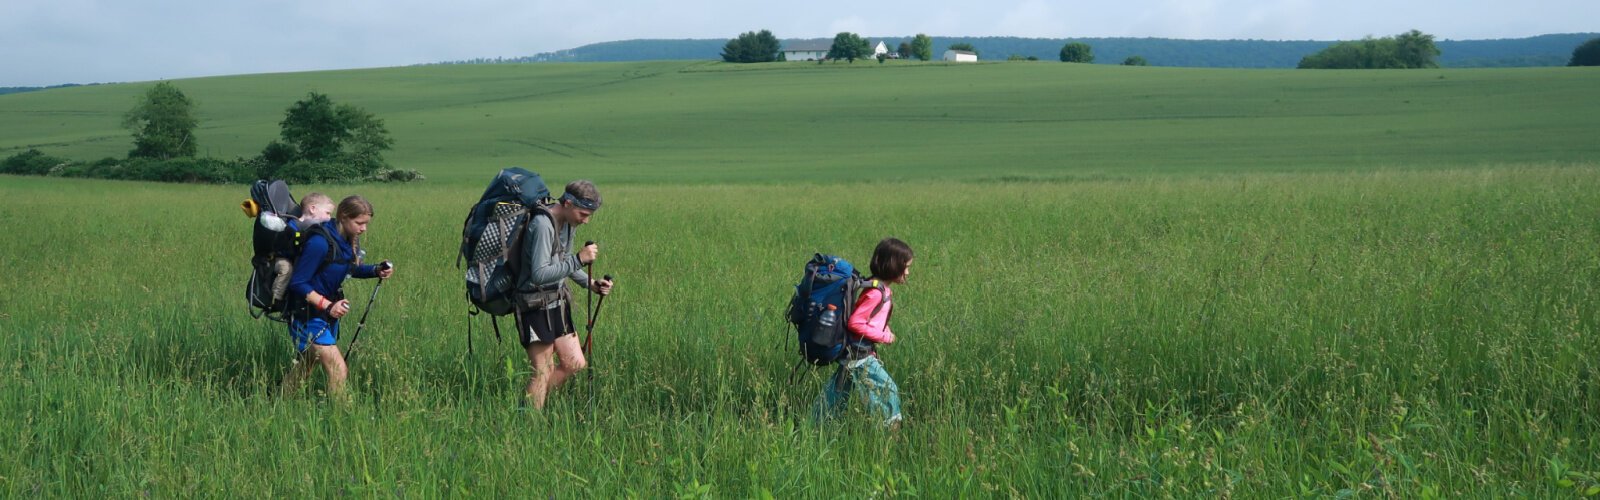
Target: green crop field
[[697, 122], [1130, 282]]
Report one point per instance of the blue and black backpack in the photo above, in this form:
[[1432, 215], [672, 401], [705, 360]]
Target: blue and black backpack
[[821, 307], [491, 241]]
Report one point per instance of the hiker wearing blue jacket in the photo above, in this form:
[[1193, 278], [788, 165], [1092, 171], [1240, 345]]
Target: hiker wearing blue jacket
[[544, 305], [316, 294]]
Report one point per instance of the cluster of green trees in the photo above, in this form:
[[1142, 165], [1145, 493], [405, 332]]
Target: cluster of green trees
[[319, 142], [919, 47], [1077, 52], [1587, 54], [752, 47], [849, 46], [1410, 50]]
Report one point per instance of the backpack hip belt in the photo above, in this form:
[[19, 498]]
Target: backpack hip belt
[[541, 297]]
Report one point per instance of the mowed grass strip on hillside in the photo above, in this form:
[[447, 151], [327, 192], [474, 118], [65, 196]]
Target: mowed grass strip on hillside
[[693, 122], [1412, 333]]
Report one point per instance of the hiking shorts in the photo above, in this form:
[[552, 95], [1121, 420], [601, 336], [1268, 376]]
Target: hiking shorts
[[544, 326], [317, 330]]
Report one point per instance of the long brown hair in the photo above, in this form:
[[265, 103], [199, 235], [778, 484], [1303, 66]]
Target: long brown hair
[[349, 208]]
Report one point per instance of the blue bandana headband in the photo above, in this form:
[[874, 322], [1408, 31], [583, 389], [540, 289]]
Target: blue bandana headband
[[583, 203]]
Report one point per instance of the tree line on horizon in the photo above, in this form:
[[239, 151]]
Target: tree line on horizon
[[1542, 50], [1410, 50]]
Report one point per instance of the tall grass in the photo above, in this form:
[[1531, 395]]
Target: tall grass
[[1415, 334]]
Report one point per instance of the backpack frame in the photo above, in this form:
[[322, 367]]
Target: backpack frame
[[268, 245]]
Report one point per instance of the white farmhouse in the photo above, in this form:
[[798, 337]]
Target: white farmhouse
[[879, 49], [960, 56], [807, 51]]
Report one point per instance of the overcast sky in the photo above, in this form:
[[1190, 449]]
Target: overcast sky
[[48, 42]]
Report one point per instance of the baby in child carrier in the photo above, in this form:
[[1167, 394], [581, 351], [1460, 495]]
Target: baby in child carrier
[[315, 208]]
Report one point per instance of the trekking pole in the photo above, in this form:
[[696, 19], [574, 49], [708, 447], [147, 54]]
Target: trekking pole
[[349, 358], [588, 310], [588, 339], [593, 315], [588, 304]]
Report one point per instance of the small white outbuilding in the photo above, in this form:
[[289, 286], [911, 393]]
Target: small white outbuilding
[[960, 56]]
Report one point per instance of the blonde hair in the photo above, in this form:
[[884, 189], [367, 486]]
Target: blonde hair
[[315, 198]]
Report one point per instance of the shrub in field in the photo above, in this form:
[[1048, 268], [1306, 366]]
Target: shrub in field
[[194, 170], [30, 162], [396, 175]]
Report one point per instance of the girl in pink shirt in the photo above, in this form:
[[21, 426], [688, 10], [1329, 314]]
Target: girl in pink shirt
[[869, 326]]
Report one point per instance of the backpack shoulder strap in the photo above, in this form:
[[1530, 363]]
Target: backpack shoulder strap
[[882, 288], [538, 210], [333, 248]]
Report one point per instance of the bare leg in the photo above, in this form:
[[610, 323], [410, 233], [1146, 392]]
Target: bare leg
[[542, 358], [572, 360], [333, 363]]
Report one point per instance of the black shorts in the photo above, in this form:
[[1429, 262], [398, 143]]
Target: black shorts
[[544, 326]]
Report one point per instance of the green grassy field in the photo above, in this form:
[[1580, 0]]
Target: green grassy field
[[703, 122], [1248, 283]]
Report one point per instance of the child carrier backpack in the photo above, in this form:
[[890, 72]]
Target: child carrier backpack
[[821, 308], [491, 238], [274, 235]]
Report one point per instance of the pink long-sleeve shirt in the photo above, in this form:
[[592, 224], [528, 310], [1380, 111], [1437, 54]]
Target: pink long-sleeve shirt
[[873, 327]]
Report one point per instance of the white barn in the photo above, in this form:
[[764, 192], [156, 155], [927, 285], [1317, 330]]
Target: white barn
[[960, 56], [807, 51]]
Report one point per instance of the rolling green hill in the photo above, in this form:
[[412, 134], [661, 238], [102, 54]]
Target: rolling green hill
[[692, 122]]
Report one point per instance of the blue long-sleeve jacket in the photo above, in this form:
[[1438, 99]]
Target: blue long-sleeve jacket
[[311, 275]]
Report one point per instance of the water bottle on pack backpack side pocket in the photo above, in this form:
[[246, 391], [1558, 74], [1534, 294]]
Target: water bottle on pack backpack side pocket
[[824, 294]]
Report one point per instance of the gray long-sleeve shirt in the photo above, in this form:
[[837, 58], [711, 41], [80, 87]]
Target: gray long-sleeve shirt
[[548, 269]]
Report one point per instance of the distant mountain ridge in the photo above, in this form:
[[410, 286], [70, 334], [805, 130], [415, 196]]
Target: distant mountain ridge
[[1542, 50]]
